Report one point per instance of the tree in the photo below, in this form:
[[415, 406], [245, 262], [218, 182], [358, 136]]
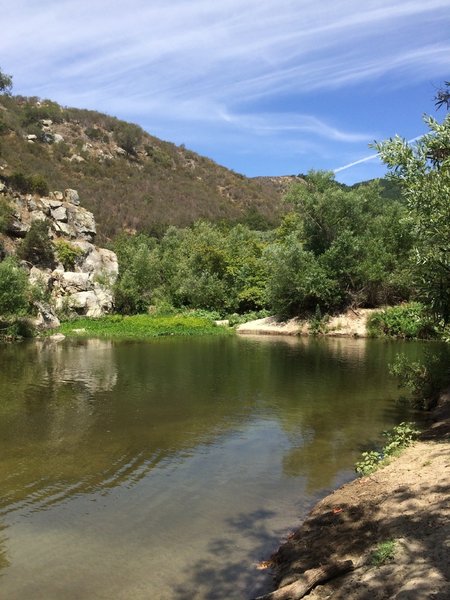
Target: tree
[[37, 248], [14, 288], [5, 83], [423, 170]]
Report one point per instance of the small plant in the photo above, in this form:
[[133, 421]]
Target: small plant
[[318, 323], [399, 437], [67, 254], [370, 461], [384, 552]]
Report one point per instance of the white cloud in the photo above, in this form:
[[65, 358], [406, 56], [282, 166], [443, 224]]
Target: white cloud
[[195, 61]]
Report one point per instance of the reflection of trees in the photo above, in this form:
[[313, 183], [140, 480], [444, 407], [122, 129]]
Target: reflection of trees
[[93, 415], [324, 436]]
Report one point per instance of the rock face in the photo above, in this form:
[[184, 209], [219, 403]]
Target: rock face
[[85, 285]]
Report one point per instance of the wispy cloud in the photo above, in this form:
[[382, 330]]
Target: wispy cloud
[[211, 64]]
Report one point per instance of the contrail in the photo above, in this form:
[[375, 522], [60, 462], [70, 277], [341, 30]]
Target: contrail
[[371, 157]]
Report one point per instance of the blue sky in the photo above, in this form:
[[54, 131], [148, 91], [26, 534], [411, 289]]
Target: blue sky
[[265, 87]]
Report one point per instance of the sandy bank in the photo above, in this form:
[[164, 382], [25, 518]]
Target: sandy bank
[[349, 324], [406, 501]]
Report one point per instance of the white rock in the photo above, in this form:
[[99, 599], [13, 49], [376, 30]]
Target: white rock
[[57, 138], [72, 196], [72, 281], [37, 215], [59, 214]]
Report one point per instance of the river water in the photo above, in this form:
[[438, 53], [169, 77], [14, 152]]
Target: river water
[[170, 469]]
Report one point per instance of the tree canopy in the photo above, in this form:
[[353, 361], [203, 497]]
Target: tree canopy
[[423, 170], [5, 83]]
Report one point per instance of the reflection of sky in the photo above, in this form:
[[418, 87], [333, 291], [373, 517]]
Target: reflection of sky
[[176, 442]]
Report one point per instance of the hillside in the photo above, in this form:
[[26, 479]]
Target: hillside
[[129, 179]]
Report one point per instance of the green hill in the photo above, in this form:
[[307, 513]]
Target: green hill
[[129, 179]]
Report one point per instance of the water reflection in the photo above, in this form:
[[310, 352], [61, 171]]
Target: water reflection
[[165, 444]]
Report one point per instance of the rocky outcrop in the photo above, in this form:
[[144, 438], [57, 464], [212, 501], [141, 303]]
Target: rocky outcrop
[[85, 285]]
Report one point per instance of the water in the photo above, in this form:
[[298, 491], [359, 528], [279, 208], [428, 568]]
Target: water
[[169, 469]]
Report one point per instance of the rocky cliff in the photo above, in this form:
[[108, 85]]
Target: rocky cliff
[[80, 276]]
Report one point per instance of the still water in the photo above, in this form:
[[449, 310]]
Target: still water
[[169, 469]]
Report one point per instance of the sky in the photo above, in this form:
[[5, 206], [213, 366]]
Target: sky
[[264, 87]]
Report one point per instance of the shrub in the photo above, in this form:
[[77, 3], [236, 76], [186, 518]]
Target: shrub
[[6, 215], [36, 248], [408, 321], [67, 254], [14, 288], [425, 380], [128, 136], [398, 437], [28, 184]]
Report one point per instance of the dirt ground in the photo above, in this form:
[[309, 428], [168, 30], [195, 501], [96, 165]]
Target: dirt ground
[[349, 324], [406, 501]]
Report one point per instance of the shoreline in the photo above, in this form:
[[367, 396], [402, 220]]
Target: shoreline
[[404, 503], [352, 323]]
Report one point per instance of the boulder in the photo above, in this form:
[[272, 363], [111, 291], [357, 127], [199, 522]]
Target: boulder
[[82, 222], [72, 196], [101, 262], [46, 318], [59, 214], [41, 277]]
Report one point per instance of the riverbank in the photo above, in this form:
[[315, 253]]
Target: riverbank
[[402, 511], [352, 323]]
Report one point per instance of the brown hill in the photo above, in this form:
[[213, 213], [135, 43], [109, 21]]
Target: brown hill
[[129, 179]]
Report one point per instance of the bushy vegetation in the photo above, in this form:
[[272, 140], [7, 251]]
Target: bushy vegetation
[[425, 379], [36, 248], [339, 248], [423, 171], [14, 288], [405, 321], [28, 184], [67, 254], [142, 326]]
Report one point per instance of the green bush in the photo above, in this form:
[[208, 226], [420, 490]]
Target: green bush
[[407, 321], [6, 215], [398, 437], [67, 254], [36, 248], [28, 184], [425, 380], [14, 288]]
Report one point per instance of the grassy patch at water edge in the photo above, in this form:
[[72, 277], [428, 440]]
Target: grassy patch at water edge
[[141, 326]]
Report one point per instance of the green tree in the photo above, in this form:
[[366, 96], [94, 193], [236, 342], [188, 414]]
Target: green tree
[[423, 170], [138, 273], [37, 248], [5, 83], [14, 288]]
